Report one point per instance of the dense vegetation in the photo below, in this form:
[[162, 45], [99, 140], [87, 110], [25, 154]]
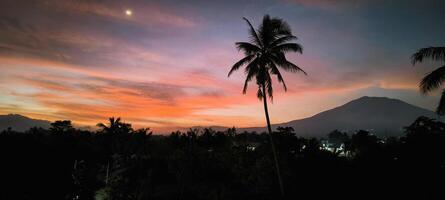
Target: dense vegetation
[[118, 162]]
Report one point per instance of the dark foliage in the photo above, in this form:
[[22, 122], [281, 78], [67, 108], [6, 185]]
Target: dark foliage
[[434, 79], [118, 162]]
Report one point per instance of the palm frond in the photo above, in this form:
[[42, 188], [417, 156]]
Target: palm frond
[[280, 27], [291, 67], [251, 71], [282, 40], [288, 47], [247, 48], [441, 107], [259, 94], [432, 80], [246, 82], [276, 71], [252, 67], [253, 34], [271, 29], [435, 53], [281, 61], [240, 63], [265, 31], [269, 87]]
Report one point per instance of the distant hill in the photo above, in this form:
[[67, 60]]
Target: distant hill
[[381, 115], [21, 123]]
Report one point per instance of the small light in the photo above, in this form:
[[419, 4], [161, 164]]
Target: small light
[[128, 12]]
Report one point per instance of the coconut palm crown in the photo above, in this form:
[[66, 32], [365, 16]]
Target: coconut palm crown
[[265, 54]]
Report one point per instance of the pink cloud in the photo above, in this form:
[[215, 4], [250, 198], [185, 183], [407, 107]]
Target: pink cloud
[[333, 5], [142, 12]]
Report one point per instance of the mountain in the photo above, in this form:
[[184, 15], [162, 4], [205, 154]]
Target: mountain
[[380, 115], [21, 123]]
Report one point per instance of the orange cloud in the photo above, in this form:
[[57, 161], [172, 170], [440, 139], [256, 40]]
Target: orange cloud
[[86, 96]]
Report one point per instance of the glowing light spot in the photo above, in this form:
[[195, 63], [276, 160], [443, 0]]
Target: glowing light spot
[[128, 12]]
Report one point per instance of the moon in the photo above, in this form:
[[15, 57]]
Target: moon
[[128, 12]]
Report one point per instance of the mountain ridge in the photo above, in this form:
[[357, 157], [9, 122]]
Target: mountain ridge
[[21, 123], [382, 115]]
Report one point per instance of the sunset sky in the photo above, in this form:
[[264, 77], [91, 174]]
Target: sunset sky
[[164, 64]]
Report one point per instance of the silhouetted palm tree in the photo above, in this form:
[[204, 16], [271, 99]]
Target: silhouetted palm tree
[[434, 79], [115, 126], [264, 55]]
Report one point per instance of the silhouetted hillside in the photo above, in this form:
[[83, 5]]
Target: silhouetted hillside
[[380, 115], [21, 123]]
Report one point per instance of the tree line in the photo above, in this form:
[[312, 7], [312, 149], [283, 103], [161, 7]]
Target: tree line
[[119, 162]]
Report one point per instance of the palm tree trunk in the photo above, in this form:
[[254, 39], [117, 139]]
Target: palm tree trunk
[[274, 151]]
